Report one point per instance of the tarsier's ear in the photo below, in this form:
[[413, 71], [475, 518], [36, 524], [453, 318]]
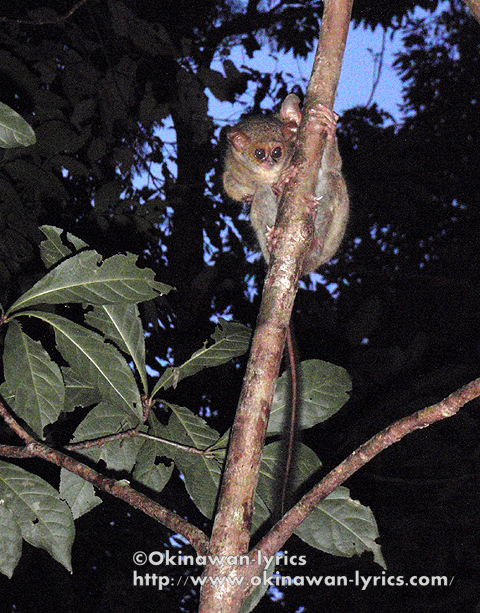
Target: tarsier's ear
[[238, 139], [290, 112]]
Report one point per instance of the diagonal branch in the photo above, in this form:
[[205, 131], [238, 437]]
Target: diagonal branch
[[279, 534], [121, 490], [444, 409]]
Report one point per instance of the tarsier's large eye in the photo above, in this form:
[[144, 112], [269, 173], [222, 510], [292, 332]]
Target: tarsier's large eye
[[277, 153], [260, 154]]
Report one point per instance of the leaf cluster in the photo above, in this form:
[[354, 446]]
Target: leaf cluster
[[99, 91], [102, 368]]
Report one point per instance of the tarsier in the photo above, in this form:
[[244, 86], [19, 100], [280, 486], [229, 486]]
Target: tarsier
[[257, 166]]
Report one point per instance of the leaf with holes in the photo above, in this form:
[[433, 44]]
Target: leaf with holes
[[54, 248], [342, 526], [147, 471], [78, 493], [230, 340], [86, 278], [121, 324], [100, 363], [104, 420], [190, 437], [45, 521]]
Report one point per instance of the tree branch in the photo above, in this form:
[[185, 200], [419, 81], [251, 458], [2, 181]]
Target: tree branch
[[194, 535], [448, 407], [281, 532], [474, 6], [231, 531]]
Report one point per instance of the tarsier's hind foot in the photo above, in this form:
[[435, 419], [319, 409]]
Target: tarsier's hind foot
[[271, 238]]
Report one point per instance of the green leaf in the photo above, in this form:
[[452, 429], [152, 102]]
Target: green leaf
[[323, 391], [107, 196], [272, 471], [104, 420], [231, 339], [7, 394], [37, 183], [61, 163], [10, 542], [34, 378], [146, 471], [261, 514], [260, 588], [78, 493], [78, 391], [202, 480], [341, 526], [121, 324], [200, 470], [99, 362], [44, 519], [14, 130], [57, 136], [85, 278], [54, 248], [221, 445]]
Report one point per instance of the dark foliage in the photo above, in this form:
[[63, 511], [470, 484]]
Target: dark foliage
[[102, 90]]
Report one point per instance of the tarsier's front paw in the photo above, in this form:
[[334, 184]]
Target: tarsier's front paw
[[286, 176], [325, 120]]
